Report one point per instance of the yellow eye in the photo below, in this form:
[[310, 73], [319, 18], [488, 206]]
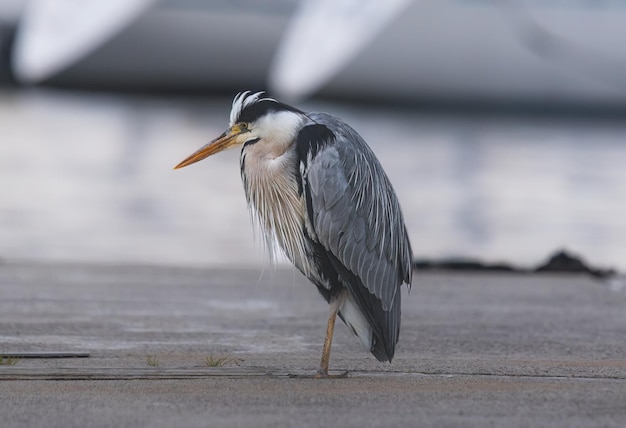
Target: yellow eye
[[243, 126]]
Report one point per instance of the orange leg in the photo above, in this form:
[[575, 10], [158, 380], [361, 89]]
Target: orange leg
[[328, 341]]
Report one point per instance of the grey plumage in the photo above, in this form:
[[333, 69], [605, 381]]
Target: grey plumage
[[315, 187], [357, 219]]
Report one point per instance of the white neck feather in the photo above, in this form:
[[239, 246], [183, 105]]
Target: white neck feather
[[278, 130]]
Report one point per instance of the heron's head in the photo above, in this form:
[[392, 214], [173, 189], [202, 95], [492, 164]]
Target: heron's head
[[254, 119]]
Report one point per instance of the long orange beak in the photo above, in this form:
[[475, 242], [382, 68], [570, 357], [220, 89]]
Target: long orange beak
[[223, 142]]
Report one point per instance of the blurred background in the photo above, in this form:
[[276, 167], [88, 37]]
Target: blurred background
[[502, 124]]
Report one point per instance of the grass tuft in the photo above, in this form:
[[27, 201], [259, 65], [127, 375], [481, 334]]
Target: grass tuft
[[8, 361], [152, 361], [214, 361]]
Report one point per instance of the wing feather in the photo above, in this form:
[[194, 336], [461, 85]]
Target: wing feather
[[357, 219], [341, 172]]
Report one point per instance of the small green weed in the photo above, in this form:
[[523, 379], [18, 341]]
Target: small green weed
[[152, 361], [213, 361], [8, 361]]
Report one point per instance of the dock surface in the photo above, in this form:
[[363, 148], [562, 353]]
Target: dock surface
[[232, 347]]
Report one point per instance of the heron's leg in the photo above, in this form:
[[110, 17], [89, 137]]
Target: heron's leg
[[328, 341]]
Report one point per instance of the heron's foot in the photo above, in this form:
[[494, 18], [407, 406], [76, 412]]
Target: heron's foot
[[326, 375], [321, 375]]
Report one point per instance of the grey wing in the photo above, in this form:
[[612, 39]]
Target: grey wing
[[355, 214]]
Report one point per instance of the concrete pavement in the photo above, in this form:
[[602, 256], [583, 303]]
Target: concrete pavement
[[475, 350]]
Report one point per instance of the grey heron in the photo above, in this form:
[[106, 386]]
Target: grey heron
[[316, 188]]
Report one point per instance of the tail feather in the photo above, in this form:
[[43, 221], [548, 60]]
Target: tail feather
[[384, 348], [377, 329]]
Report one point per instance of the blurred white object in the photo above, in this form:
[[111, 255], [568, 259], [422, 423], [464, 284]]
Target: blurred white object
[[450, 50], [54, 34], [150, 44], [323, 38], [514, 51]]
